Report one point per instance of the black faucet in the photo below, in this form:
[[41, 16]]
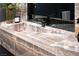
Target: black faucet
[[45, 21]]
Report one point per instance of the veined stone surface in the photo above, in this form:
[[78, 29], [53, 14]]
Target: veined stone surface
[[36, 41]]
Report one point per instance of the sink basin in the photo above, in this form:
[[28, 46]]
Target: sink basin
[[13, 26], [7, 26]]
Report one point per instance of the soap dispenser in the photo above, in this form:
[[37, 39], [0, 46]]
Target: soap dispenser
[[17, 19]]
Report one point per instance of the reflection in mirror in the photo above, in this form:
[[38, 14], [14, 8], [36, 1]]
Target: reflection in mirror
[[60, 15]]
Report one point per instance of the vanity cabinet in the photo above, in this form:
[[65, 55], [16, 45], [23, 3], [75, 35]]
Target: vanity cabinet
[[20, 47]]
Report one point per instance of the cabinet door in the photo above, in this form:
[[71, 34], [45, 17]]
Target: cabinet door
[[21, 50], [8, 41]]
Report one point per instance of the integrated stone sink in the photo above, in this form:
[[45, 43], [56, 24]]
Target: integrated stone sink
[[12, 26], [7, 26], [50, 37], [35, 32]]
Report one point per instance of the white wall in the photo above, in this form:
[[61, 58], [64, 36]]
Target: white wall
[[76, 10], [23, 7]]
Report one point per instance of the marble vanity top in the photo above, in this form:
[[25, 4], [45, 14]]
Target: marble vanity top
[[46, 40]]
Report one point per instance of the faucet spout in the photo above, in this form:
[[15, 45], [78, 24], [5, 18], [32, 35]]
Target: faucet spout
[[43, 22]]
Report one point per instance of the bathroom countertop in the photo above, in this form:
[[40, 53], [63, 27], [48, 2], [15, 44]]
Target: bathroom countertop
[[53, 43]]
